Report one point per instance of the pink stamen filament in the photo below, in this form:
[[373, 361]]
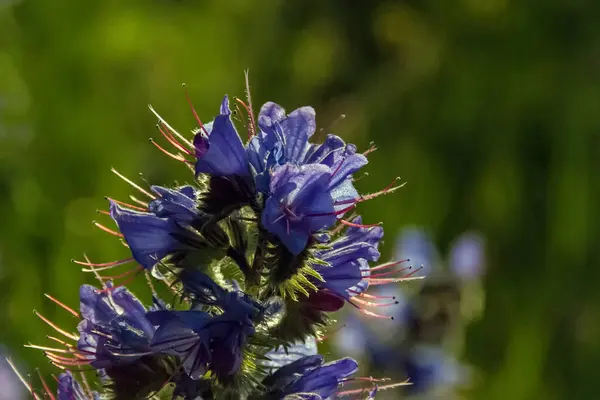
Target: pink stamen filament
[[56, 328], [189, 100], [371, 296], [108, 230], [363, 226], [103, 212], [134, 185], [140, 202], [251, 132], [122, 203], [177, 157], [22, 379], [102, 266], [249, 97], [371, 149], [372, 304], [388, 265], [127, 273], [64, 306], [385, 281], [375, 315], [390, 273], [342, 211], [171, 139], [127, 281]]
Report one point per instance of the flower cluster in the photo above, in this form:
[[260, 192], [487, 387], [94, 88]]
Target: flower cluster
[[257, 252]]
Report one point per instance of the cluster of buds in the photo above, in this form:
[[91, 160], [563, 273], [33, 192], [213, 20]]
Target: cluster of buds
[[257, 252]]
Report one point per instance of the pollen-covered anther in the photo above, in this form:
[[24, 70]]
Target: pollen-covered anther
[[371, 149]]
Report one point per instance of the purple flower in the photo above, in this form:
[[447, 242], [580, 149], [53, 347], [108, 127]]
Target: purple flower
[[283, 139], [348, 257], [114, 326], [202, 339], [308, 378], [299, 204], [70, 389], [153, 235], [221, 153]]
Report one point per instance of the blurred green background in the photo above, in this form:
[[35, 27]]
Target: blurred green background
[[489, 109]]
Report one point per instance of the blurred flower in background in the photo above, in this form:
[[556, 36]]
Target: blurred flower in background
[[10, 386], [424, 340]]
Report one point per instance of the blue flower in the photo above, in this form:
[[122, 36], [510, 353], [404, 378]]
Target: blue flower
[[429, 368], [221, 153], [153, 235], [70, 389], [202, 339], [114, 327], [284, 139], [299, 204], [309, 378], [348, 256]]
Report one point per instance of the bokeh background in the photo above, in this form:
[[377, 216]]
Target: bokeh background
[[489, 109]]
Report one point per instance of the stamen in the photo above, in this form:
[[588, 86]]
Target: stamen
[[131, 271], [342, 211], [388, 189], [171, 139], [180, 136], [43, 348], [189, 100], [59, 341], [96, 274], [371, 149], [352, 224], [358, 391], [249, 97], [134, 185], [251, 118], [375, 315], [103, 212], [126, 282], [86, 385], [373, 304], [179, 158], [390, 264], [372, 296], [56, 328], [140, 202], [122, 203], [64, 306], [102, 266], [390, 273], [23, 381], [107, 230], [385, 281]]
